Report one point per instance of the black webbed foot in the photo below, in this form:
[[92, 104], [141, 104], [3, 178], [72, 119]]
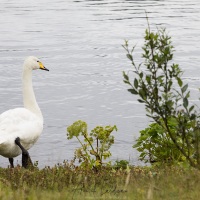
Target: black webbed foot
[[26, 160]]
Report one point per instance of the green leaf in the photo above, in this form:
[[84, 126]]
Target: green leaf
[[191, 108], [185, 102], [193, 116], [132, 91], [127, 82], [187, 95], [135, 83], [160, 78], [141, 75], [142, 94], [125, 76], [184, 88], [169, 85], [129, 56], [180, 82], [141, 101], [148, 79]]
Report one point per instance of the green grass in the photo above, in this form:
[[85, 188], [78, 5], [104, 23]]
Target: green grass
[[69, 182]]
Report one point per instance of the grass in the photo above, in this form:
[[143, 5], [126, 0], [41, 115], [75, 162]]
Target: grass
[[67, 181]]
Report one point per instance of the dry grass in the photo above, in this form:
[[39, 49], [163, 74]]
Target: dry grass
[[69, 182]]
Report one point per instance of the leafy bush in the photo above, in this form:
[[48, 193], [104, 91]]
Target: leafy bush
[[156, 145], [95, 146], [121, 164], [158, 84]]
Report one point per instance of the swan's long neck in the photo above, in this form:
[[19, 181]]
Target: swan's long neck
[[30, 102]]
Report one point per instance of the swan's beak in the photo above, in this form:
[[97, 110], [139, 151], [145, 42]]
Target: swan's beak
[[43, 67]]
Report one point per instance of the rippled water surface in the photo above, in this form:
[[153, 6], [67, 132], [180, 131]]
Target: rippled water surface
[[80, 42]]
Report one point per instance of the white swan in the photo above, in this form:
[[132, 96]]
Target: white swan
[[20, 128]]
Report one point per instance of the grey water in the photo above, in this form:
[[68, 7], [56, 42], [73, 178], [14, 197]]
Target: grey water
[[79, 41]]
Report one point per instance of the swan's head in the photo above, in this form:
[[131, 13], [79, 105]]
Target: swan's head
[[33, 63]]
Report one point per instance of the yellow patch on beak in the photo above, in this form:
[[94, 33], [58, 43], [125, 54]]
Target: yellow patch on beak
[[42, 66]]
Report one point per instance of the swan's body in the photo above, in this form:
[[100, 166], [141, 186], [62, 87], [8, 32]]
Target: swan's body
[[23, 123]]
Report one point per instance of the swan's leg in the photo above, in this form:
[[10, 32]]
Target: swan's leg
[[26, 160], [11, 162]]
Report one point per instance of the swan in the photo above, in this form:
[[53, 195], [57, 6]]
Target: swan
[[20, 128]]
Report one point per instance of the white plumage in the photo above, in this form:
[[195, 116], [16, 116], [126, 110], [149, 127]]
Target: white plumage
[[23, 123]]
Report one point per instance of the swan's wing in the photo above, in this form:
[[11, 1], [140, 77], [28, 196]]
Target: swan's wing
[[22, 123]]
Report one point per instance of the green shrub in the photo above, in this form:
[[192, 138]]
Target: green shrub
[[121, 164], [158, 84], [95, 146], [156, 146]]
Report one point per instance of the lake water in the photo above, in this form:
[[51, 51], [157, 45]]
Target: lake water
[[80, 43]]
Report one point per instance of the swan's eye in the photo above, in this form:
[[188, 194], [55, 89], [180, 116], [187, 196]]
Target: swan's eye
[[38, 61]]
